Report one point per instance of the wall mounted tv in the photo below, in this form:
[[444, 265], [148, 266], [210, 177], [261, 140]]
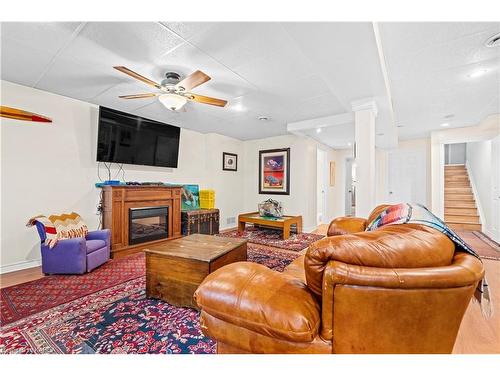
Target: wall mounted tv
[[129, 139]]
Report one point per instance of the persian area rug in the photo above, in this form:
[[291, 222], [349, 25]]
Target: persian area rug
[[120, 319], [270, 237], [22, 300]]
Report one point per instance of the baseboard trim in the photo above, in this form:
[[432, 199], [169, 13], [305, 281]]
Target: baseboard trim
[[20, 266], [491, 235]]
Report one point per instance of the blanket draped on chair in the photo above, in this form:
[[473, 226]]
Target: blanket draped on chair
[[404, 213], [61, 226]]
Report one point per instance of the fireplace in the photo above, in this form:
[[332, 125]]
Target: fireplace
[[147, 224]]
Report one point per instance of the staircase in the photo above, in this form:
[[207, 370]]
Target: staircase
[[460, 211]]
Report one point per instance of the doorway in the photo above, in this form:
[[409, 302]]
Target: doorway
[[350, 187], [407, 177], [321, 185]]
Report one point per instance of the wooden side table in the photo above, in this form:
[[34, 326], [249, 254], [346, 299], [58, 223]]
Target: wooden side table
[[284, 223]]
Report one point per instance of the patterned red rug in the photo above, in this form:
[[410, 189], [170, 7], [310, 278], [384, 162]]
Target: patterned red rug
[[270, 237], [26, 299], [120, 319]]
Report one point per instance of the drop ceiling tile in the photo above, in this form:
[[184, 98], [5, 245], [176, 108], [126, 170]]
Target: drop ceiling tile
[[46, 36], [110, 96], [66, 77], [188, 30], [408, 38], [337, 136], [281, 72], [121, 43], [22, 64], [235, 43], [320, 106]]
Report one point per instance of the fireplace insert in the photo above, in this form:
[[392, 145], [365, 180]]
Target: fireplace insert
[[147, 224]]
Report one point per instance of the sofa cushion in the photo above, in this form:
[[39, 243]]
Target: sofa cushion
[[93, 245], [252, 296], [296, 269]]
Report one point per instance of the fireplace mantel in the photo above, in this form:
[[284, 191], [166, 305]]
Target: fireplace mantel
[[119, 199]]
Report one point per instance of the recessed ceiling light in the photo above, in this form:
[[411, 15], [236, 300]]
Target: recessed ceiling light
[[493, 41], [477, 73], [349, 144], [445, 124], [318, 130], [263, 118], [238, 107]]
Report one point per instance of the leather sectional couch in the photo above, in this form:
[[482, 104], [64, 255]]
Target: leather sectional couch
[[398, 289]]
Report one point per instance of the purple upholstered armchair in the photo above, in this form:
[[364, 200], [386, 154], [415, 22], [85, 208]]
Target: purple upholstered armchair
[[74, 255]]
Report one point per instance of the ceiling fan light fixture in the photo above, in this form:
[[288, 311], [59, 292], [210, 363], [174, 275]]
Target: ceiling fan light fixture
[[172, 101]]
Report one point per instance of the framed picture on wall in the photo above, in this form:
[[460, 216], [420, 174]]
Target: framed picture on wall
[[332, 173], [229, 162], [274, 171]]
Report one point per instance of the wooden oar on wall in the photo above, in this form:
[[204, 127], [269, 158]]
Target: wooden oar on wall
[[19, 114]]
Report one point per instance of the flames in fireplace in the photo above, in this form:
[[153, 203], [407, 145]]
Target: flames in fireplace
[[147, 224]]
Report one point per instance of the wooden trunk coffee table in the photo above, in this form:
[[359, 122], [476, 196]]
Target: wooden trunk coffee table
[[175, 269], [284, 223]]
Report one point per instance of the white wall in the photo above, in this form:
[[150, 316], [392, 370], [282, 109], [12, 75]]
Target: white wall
[[303, 193], [479, 165], [51, 168]]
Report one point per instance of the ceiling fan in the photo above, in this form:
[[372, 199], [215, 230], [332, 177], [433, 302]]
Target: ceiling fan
[[174, 93]]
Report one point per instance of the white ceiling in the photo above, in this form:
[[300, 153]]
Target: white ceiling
[[428, 66], [287, 71]]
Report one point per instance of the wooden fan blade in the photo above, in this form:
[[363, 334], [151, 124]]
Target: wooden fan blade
[[207, 100], [193, 80], [135, 75], [138, 96]]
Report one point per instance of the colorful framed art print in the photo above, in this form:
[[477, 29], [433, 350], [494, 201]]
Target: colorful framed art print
[[274, 171]]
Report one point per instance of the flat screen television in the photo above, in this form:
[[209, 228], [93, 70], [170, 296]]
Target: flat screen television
[[129, 139]]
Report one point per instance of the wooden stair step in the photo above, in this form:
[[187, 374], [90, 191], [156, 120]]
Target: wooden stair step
[[459, 204], [459, 197], [448, 185], [460, 211], [454, 166], [463, 226], [457, 171], [458, 190], [467, 219]]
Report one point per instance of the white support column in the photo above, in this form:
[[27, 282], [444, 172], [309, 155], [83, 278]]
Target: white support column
[[365, 112]]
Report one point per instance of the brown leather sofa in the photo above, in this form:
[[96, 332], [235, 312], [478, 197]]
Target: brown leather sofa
[[398, 289]]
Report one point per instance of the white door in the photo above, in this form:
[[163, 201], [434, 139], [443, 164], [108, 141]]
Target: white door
[[350, 198], [495, 191], [407, 180]]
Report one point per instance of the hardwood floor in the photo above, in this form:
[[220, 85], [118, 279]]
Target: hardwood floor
[[477, 335], [19, 277]]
